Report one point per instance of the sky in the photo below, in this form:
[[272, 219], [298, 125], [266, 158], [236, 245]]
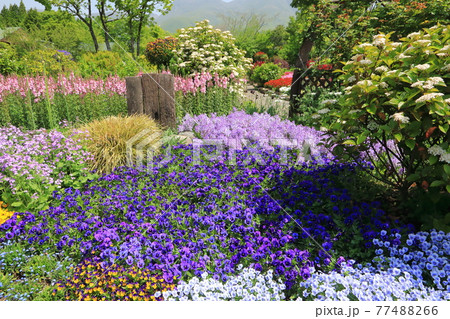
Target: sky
[[35, 5]]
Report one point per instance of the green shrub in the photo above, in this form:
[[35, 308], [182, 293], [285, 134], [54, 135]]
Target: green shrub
[[9, 60], [266, 72], [205, 49], [396, 111], [106, 63], [48, 62], [108, 140]]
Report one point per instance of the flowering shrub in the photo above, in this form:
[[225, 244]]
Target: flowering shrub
[[424, 255], [266, 72], [205, 49], [160, 51], [93, 281], [35, 163], [260, 57], [48, 62], [397, 91], [247, 285], [280, 62], [367, 285]]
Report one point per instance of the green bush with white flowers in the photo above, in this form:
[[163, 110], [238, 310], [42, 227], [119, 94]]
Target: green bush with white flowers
[[205, 49], [396, 112]]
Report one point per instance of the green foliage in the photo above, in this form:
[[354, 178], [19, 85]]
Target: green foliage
[[25, 112], [215, 100], [266, 72], [205, 49], [48, 62], [108, 139], [396, 110], [315, 107], [41, 269], [9, 60], [106, 63], [160, 52]]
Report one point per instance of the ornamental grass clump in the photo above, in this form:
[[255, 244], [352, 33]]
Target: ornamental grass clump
[[107, 140], [92, 281], [398, 91]]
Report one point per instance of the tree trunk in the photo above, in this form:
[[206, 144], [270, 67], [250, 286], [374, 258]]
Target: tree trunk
[[132, 37], [300, 68], [94, 37], [138, 38], [103, 19]]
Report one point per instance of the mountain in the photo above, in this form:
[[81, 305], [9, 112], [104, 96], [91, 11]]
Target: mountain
[[185, 13]]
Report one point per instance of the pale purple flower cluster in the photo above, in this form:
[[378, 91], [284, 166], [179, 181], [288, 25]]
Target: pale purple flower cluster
[[248, 285], [239, 128], [366, 285], [39, 155]]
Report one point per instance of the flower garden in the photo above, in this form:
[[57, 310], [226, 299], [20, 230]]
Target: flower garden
[[257, 207]]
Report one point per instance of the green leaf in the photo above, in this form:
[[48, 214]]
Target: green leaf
[[433, 159], [398, 136], [362, 138], [437, 184], [372, 109], [412, 177], [16, 204], [448, 188], [349, 142], [447, 169], [411, 144], [443, 128]]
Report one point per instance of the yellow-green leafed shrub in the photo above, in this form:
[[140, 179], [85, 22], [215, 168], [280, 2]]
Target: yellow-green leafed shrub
[[49, 62], [107, 63], [121, 140]]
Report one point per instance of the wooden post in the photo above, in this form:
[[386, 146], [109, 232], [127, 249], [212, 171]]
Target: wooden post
[[156, 98], [134, 95]]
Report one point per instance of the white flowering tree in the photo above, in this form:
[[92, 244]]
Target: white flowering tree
[[395, 110], [205, 49]]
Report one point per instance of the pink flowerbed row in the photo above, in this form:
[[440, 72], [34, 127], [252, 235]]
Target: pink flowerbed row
[[39, 86]]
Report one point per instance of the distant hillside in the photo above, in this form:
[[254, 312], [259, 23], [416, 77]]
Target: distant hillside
[[186, 12]]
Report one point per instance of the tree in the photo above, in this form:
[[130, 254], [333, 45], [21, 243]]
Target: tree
[[319, 23], [136, 14], [82, 9], [46, 3]]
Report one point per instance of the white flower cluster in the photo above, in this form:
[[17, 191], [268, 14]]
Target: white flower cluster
[[400, 117], [436, 150], [205, 49], [423, 67], [429, 83], [329, 102], [248, 285], [428, 97], [381, 69], [379, 40]]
